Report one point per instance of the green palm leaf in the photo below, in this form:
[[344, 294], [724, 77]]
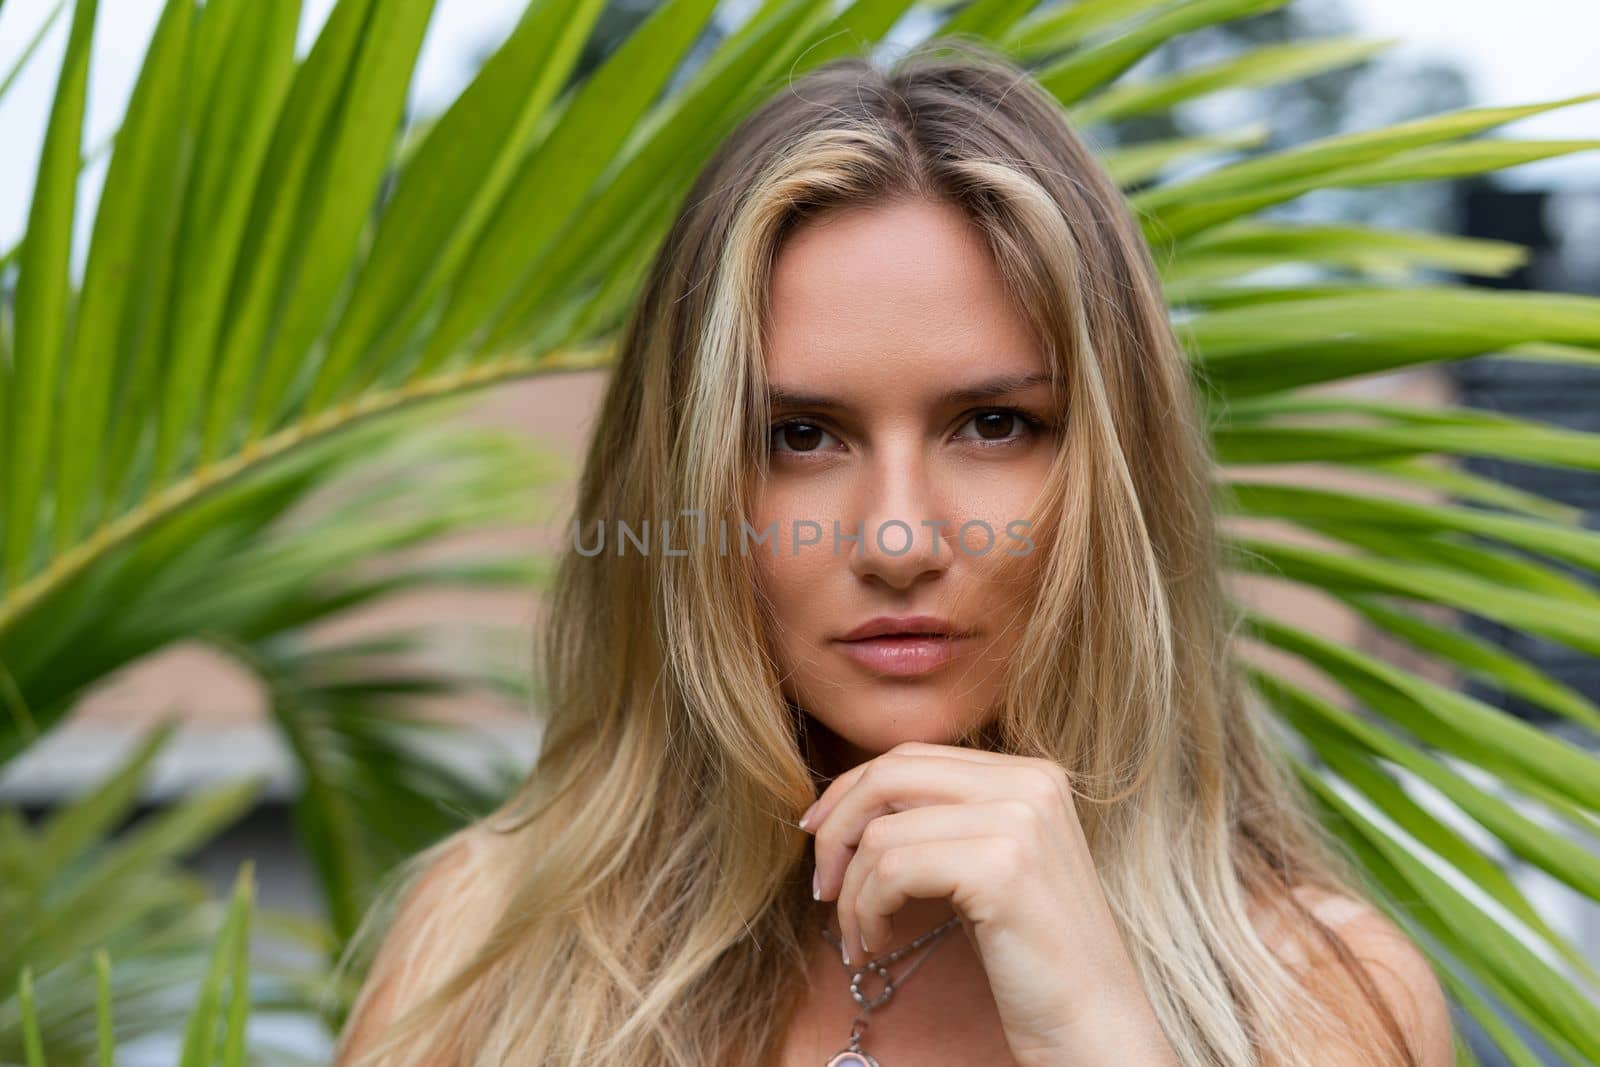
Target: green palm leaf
[[1137, 163], [1259, 67], [77, 897]]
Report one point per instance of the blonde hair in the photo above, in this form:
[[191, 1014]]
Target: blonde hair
[[646, 900]]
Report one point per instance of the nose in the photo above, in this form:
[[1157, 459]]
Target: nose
[[904, 533]]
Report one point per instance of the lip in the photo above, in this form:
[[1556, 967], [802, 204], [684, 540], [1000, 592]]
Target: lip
[[881, 625], [904, 656], [903, 646]]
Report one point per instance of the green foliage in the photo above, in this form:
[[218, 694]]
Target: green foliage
[[228, 430], [212, 1038], [77, 894]]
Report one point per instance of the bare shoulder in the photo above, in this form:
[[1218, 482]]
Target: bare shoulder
[[433, 928], [1398, 968]]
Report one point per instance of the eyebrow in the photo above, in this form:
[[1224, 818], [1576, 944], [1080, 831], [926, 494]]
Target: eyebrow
[[777, 396]]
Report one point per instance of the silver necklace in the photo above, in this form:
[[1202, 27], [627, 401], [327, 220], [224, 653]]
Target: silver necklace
[[853, 1055]]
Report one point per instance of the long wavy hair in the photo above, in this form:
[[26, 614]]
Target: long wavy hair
[[643, 897]]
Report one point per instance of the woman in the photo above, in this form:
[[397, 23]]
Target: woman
[[935, 615]]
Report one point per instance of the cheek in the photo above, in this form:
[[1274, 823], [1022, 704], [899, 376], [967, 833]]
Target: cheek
[[788, 580], [995, 497]]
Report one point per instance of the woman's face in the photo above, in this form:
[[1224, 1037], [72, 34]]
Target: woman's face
[[878, 316]]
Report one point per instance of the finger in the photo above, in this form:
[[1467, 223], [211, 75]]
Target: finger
[[937, 822], [931, 822], [813, 816], [896, 783], [928, 748], [926, 870], [978, 755]]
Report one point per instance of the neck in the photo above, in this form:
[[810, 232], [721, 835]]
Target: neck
[[827, 754]]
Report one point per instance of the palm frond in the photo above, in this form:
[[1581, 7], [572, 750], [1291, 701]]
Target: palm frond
[[81, 890]]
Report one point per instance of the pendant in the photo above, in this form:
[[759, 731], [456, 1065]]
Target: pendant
[[852, 1058]]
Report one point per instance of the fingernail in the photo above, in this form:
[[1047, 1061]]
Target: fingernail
[[807, 816], [864, 947], [816, 892]]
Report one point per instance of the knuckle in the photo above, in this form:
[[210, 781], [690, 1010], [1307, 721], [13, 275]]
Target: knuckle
[[1008, 857], [891, 865], [1045, 788], [882, 772], [873, 836], [888, 763], [1045, 784], [1021, 813]]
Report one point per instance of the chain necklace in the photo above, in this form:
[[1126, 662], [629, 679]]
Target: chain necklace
[[853, 1055]]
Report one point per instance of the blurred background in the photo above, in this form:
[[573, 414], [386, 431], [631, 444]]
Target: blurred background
[[1447, 54]]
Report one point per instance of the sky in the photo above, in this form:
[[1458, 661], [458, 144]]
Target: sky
[[1512, 53], [1545, 50]]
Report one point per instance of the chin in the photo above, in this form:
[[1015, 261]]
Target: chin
[[875, 727]]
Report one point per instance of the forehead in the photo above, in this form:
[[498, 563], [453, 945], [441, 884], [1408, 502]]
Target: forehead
[[891, 295]]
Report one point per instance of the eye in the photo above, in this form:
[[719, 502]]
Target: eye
[[801, 436], [996, 426], [1001, 426]]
